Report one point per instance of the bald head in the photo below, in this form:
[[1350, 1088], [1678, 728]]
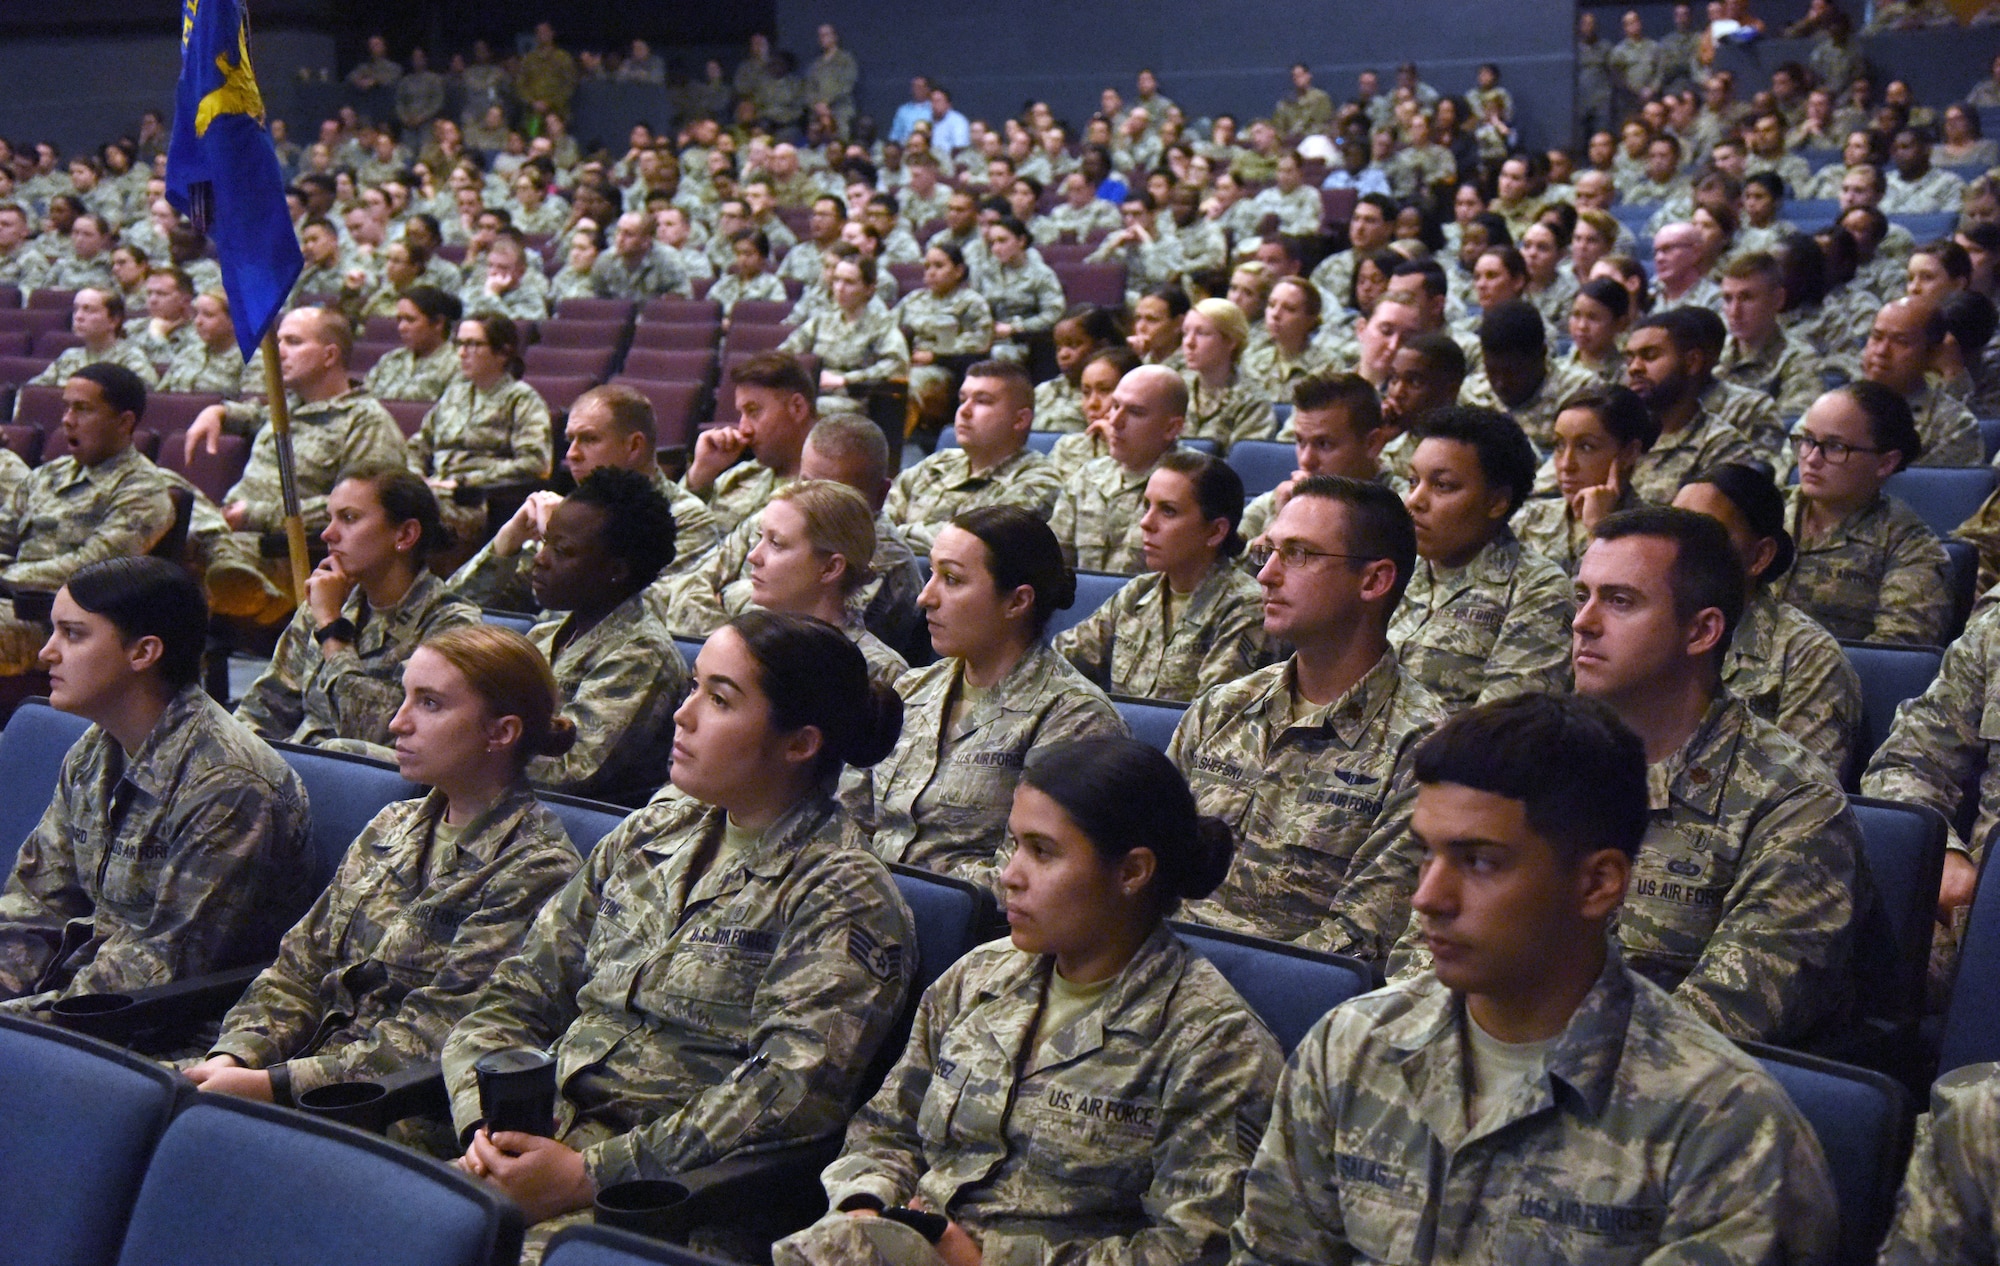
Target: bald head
[[1148, 410], [1901, 345], [1677, 256]]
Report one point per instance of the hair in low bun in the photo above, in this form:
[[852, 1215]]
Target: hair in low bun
[[812, 675], [1124, 795], [1215, 848], [557, 739], [1021, 550]]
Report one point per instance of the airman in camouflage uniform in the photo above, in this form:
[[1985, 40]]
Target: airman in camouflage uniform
[[399, 943], [1677, 456], [478, 439], [13, 471], [1495, 627], [741, 491], [924, 498], [693, 1016], [190, 855], [1026, 296], [1946, 1211], [730, 288], [1747, 886], [1137, 644], [199, 369], [1240, 412], [1949, 431], [402, 375], [1669, 1144], [959, 324], [1791, 672], [1096, 517], [1064, 218], [122, 351], [657, 272], [311, 695], [1878, 576], [866, 350], [65, 515], [941, 799], [489, 579], [1562, 383], [1124, 1137], [620, 682], [328, 436], [1946, 735], [1319, 798]]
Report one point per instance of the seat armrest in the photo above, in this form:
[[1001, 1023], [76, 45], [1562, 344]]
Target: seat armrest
[[167, 1008]]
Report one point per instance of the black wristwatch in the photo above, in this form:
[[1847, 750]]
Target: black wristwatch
[[341, 630]]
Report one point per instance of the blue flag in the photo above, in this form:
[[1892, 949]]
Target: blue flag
[[222, 172]]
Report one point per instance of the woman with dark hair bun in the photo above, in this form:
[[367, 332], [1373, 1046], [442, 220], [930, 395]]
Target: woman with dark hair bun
[[432, 895], [719, 975], [336, 676], [487, 428], [1195, 619], [1088, 1089], [175, 840], [997, 694], [1788, 669]]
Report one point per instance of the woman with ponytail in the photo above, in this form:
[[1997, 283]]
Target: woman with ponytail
[[432, 895], [1089, 1090], [719, 976]]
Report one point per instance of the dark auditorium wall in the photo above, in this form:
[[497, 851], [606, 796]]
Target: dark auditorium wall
[[81, 91], [1211, 56]]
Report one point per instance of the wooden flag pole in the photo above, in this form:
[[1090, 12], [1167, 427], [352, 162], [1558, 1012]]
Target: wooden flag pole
[[288, 478]]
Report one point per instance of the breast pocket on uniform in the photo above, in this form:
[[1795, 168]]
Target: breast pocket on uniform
[[711, 977], [1680, 880], [1099, 1136], [940, 1105], [1379, 1207], [982, 777]]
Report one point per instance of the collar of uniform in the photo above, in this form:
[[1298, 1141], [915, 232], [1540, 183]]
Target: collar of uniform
[[108, 469], [438, 355], [1697, 774], [1736, 356], [1206, 592], [1348, 715], [1125, 1006], [307, 410], [1027, 679], [956, 466], [1494, 564], [486, 834], [1848, 528], [1426, 1045], [425, 590], [615, 627], [1698, 429], [1758, 629], [154, 767]]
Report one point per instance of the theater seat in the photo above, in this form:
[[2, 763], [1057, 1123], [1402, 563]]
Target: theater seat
[[1152, 721], [234, 1182], [1942, 496], [32, 748], [1904, 846], [586, 821], [345, 794], [591, 1245], [1263, 464], [1889, 675], [82, 1121], [1862, 1121], [1289, 988], [1971, 1018], [1093, 590]]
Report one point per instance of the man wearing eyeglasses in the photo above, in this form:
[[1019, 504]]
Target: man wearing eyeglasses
[[1900, 353], [1309, 760]]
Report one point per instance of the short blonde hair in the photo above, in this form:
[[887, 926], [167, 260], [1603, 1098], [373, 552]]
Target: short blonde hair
[[1229, 321], [838, 521]]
